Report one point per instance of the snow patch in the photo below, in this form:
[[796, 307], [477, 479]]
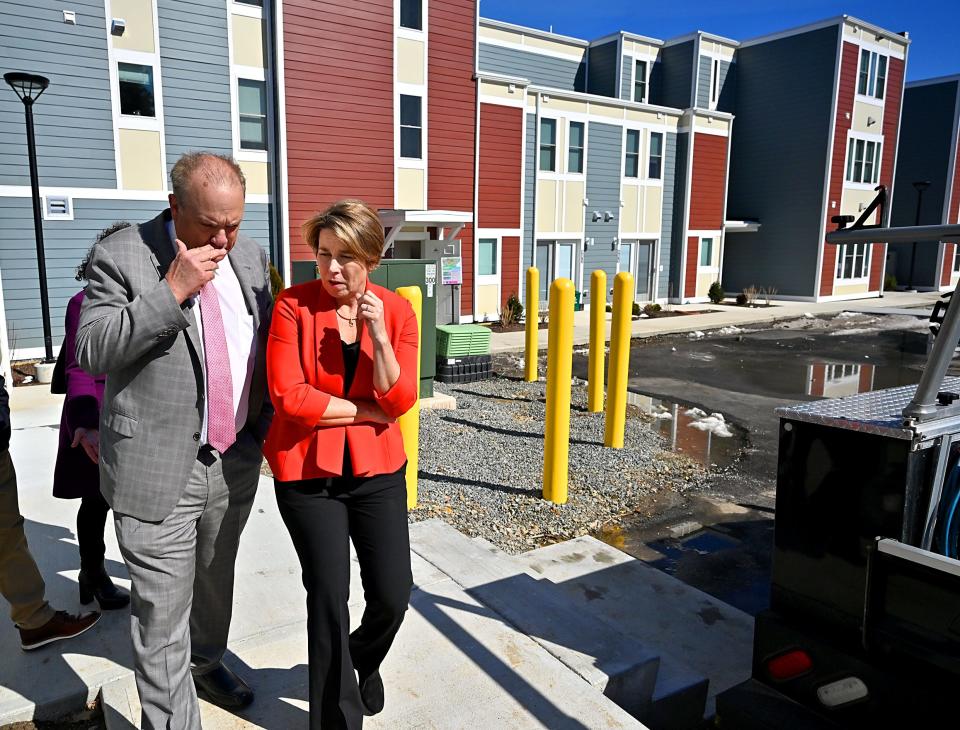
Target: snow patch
[[730, 330], [696, 335], [714, 423]]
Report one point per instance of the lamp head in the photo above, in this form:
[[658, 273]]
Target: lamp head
[[921, 185], [27, 86]]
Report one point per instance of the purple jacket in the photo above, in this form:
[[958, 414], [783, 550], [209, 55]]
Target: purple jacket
[[75, 475]]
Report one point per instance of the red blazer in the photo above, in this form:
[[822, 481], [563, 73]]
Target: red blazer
[[305, 368]]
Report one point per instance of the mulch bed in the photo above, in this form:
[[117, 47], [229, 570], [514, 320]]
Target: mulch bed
[[497, 327]]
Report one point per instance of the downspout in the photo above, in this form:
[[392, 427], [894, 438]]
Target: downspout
[[536, 166], [476, 201]]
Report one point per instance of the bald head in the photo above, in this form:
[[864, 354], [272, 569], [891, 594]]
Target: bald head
[[204, 170], [207, 199]]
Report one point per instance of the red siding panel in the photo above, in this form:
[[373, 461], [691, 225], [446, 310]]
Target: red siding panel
[[709, 177], [866, 379], [842, 122], [947, 269], [876, 267], [955, 195], [690, 275], [501, 153], [338, 71], [451, 120], [509, 268]]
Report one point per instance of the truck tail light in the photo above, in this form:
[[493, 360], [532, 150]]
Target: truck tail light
[[789, 666]]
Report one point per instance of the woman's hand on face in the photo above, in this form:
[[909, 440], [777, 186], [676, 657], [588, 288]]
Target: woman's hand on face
[[371, 312]]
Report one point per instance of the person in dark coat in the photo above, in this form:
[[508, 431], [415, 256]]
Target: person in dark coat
[[77, 472]]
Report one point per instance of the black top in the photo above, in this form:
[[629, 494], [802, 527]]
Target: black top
[[351, 355]]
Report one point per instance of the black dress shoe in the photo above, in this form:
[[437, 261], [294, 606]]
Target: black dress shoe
[[223, 688], [97, 584], [371, 692]]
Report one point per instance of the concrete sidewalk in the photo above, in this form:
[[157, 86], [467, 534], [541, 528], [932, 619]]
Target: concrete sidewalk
[[724, 315]]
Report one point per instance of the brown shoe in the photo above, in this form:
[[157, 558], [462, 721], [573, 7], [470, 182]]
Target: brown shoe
[[63, 625]]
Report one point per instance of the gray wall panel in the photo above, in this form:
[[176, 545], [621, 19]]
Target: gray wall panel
[[676, 75], [604, 146], [778, 161], [703, 82], [674, 273], [602, 77], [558, 73], [667, 242], [626, 78], [196, 77], [529, 190], [73, 118]]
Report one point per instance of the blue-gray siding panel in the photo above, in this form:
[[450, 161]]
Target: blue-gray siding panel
[[667, 243], [626, 78], [778, 161], [604, 145], [703, 82], [674, 275], [676, 75], [65, 245], [74, 121], [603, 69], [196, 76], [557, 73], [529, 193], [924, 154]]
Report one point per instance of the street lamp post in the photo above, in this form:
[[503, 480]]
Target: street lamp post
[[920, 186], [29, 87]]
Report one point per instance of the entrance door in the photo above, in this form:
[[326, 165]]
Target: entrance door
[[637, 258], [555, 260]]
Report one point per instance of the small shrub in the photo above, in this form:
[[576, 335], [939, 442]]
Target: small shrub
[[635, 310], [742, 299], [889, 283], [276, 281], [511, 313], [608, 308], [751, 295], [651, 309], [716, 293]]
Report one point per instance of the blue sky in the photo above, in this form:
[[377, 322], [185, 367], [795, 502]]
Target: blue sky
[[933, 26]]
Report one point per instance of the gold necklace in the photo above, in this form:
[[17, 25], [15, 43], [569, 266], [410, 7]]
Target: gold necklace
[[352, 321]]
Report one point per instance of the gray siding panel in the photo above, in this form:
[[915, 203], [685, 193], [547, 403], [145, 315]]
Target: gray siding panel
[[604, 146], [626, 78], [674, 274], [73, 117], [703, 82], [557, 73], [529, 191], [195, 68], [778, 161], [676, 75], [65, 245], [602, 77], [668, 244]]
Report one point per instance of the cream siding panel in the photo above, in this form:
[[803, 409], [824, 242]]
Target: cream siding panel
[[546, 206], [575, 53], [138, 35], [573, 207], [410, 61], [247, 41], [498, 34], [851, 201], [654, 205], [704, 281], [718, 126], [561, 147], [611, 112], [257, 177], [499, 91], [630, 213], [635, 115], [566, 105], [842, 289], [410, 189], [863, 113], [488, 300], [141, 160]]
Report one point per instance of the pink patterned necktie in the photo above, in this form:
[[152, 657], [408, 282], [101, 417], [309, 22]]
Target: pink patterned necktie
[[221, 421]]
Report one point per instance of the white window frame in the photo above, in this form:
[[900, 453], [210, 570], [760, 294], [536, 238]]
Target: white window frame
[[708, 268], [714, 82], [249, 73], [583, 153], [490, 279], [956, 259], [839, 372], [251, 11], [877, 140], [663, 144], [423, 17], [400, 126], [407, 89], [873, 61], [557, 151], [850, 250], [639, 153], [646, 80]]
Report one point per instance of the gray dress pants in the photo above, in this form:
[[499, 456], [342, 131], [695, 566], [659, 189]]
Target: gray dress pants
[[181, 571]]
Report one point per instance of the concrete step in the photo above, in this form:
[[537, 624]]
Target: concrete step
[[620, 668], [687, 627]]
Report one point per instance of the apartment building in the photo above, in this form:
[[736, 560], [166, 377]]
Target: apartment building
[[929, 155], [133, 85], [818, 116]]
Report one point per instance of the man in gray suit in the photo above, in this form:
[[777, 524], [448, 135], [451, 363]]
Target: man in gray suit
[[176, 315]]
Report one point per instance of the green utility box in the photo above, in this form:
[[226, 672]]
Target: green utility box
[[461, 340], [394, 273]]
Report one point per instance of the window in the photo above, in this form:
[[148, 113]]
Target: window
[[640, 81], [956, 259], [411, 14], [548, 145], [631, 165], [841, 371], [656, 156], [487, 257], [852, 262], [136, 89], [575, 156], [258, 3], [872, 80], [252, 104], [863, 161], [706, 252], [714, 82], [411, 127]]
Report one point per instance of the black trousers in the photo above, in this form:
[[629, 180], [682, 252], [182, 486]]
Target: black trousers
[[91, 520], [322, 517]]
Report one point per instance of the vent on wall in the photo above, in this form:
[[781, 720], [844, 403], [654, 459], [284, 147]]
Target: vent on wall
[[58, 207]]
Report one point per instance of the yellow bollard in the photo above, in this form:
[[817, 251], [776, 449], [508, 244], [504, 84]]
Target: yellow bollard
[[598, 306], [618, 369], [556, 447], [410, 421], [532, 352]]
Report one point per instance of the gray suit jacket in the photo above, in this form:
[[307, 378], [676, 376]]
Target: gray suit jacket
[[133, 331]]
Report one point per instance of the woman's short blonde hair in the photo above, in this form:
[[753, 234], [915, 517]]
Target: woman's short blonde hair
[[355, 223]]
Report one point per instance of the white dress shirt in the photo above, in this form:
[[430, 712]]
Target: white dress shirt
[[238, 329]]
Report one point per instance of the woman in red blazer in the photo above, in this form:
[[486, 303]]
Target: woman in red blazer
[[341, 367]]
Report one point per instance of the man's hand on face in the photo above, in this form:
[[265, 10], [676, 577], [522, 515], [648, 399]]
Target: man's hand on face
[[192, 268]]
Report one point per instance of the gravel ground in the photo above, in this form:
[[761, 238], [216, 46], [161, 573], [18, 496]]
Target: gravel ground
[[481, 467]]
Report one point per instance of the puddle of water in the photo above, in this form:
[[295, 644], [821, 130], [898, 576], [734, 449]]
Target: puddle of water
[[704, 437], [828, 379]]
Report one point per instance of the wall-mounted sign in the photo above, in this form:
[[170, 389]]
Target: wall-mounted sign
[[451, 270]]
